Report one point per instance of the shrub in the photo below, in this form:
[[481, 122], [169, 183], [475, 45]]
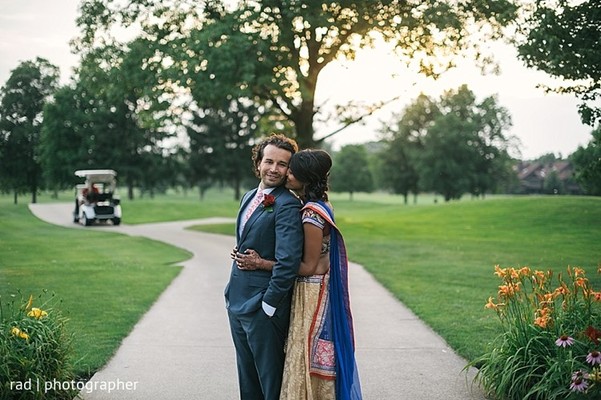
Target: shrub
[[549, 344], [35, 351]]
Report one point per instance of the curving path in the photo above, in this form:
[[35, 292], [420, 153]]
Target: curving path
[[181, 349]]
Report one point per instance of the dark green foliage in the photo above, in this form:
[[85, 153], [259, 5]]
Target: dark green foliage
[[587, 163], [562, 39], [35, 348], [350, 171], [272, 52], [452, 146], [22, 100]]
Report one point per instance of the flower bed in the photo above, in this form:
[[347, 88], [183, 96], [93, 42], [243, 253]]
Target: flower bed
[[35, 349], [549, 344]]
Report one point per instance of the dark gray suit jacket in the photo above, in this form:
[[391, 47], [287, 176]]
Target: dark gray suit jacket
[[275, 235]]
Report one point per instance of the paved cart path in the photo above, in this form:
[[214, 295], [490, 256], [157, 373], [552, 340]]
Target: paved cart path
[[181, 349]]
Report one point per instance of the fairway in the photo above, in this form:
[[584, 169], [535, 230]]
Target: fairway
[[437, 258]]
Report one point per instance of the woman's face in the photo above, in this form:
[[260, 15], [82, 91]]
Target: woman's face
[[292, 183]]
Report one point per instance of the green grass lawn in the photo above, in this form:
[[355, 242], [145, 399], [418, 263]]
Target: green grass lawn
[[437, 258], [104, 281]]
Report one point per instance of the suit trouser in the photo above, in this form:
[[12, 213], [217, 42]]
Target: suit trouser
[[259, 342]]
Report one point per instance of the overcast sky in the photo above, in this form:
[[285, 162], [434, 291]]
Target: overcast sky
[[543, 123]]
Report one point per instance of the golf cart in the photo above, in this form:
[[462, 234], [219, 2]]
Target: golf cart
[[95, 199]]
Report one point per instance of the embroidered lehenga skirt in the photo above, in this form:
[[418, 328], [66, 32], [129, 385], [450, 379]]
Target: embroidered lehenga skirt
[[298, 383]]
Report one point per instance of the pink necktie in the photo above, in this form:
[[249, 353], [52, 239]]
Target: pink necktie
[[253, 206]]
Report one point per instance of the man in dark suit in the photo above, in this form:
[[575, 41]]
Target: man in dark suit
[[258, 301]]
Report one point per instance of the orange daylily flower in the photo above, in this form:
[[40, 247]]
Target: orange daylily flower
[[542, 322], [490, 304], [596, 295], [509, 289], [561, 291], [500, 272], [579, 272]]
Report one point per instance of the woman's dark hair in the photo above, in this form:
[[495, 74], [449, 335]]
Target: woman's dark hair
[[311, 167], [277, 140]]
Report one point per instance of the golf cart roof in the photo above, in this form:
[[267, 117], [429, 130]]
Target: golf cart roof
[[86, 172], [97, 175]]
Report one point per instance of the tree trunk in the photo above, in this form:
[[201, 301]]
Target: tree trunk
[[34, 193], [15, 198], [303, 117], [130, 191]]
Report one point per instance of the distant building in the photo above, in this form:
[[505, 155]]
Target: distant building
[[537, 177]]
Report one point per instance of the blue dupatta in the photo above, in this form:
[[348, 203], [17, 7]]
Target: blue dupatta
[[339, 313]]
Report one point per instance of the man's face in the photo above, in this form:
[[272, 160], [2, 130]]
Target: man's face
[[274, 166]]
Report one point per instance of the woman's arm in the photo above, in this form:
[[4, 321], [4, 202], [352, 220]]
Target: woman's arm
[[250, 260], [312, 263], [312, 250]]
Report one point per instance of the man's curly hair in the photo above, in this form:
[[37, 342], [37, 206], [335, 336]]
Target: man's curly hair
[[277, 140]]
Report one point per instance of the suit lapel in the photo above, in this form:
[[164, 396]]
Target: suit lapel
[[258, 212]]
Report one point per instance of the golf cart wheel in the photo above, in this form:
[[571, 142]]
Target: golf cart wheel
[[86, 221], [116, 221], [76, 212]]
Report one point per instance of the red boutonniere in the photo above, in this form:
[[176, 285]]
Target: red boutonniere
[[268, 202]]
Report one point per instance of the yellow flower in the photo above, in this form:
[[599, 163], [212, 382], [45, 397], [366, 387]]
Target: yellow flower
[[19, 333], [595, 375], [37, 313]]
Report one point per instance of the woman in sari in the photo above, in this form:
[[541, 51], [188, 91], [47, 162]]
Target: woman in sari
[[320, 353]]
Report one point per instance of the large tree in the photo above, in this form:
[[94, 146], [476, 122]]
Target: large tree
[[404, 138], [113, 116], [465, 150], [451, 146], [561, 38], [587, 164], [272, 52], [350, 172], [22, 100], [63, 137], [220, 145]]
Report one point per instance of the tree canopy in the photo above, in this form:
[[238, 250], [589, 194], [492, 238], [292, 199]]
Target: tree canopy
[[587, 164], [350, 171], [451, 146], [22, 100], [272, 52], [561, 38]]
